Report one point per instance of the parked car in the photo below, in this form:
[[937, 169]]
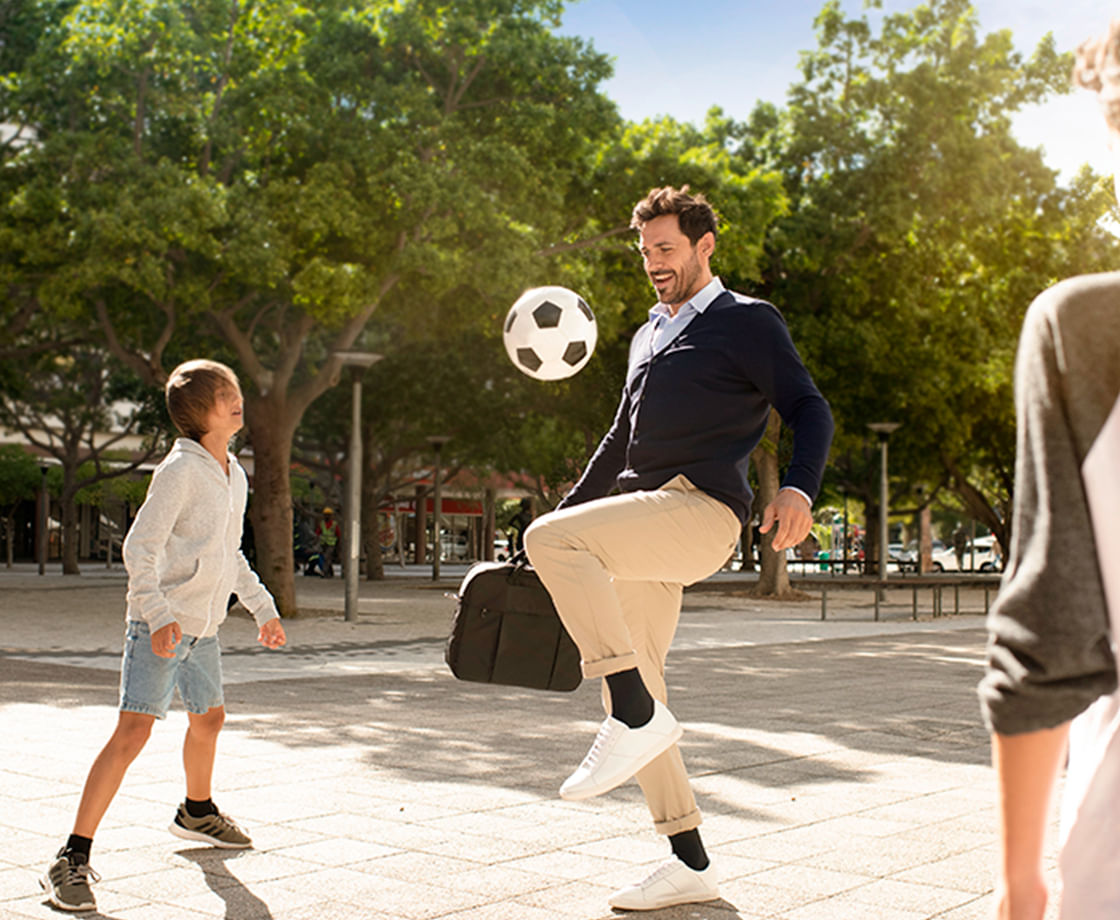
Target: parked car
[[900, 557], [501, 548], [979, 556]]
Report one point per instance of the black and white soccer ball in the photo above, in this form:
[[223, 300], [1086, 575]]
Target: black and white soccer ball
[[550, 333]]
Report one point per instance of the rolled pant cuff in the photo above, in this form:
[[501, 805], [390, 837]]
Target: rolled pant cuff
[[689, 822], [604, 666]]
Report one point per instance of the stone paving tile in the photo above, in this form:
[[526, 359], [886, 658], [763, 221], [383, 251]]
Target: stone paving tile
[[811, 882], [241, 866], [909, 896], [338, 851], [879, 856], [760, 899], [844, 907]]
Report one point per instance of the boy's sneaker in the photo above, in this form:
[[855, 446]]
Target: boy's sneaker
[[215, 829], [67, 882]]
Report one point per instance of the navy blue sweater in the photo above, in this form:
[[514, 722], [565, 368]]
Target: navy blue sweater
[[700, 407]]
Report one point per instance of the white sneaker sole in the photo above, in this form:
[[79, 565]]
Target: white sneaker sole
[[187, 834], [660, 905]]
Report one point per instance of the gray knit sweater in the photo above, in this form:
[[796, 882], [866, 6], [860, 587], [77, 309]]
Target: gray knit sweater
[[1049, 654], [183, 551]]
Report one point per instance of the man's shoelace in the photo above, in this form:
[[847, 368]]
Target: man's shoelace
[[660, 872], [608, 731]]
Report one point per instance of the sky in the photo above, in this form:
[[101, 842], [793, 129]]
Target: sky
[[680, 57]]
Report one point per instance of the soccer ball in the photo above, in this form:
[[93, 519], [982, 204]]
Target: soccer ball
[[550, 333]]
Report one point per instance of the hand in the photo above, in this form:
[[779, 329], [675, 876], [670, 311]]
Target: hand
[[793, 516], [271, 635], [165, 639]]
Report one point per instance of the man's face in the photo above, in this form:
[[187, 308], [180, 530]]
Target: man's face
[[676, 268]]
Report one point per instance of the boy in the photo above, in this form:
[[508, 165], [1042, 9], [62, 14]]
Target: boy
[[184, 561]]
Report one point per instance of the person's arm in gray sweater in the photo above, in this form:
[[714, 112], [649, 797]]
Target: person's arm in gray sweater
[[1049, 653]]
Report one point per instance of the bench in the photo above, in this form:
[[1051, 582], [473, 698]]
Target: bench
[[936, 584]]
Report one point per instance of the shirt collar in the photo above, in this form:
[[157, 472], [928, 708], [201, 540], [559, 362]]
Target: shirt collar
[[700, 301]]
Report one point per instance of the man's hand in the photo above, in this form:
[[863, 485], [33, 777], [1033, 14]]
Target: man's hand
[[271, 635], [165, 639], [793, 516]]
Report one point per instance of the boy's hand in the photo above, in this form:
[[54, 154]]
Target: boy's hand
[[165, 639], [272, 634]]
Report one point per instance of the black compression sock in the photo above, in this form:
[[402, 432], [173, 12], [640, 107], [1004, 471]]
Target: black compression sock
[[631, 703], [79, 847], [200, 808], [688, 848]]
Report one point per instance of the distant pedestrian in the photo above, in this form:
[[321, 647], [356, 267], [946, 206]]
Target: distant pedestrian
[[960, 544], [183, 560], [520, 523], [1050, 689], [328, 536]]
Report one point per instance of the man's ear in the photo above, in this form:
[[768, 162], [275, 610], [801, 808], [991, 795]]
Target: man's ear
[[706, 245]]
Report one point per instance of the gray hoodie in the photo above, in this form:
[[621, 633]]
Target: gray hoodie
[[183, 552]]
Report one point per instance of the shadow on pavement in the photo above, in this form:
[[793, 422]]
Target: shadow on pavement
[[241, 903]]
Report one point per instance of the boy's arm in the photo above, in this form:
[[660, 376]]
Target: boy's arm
[[1027, 768], [254, 596], [145, 543]]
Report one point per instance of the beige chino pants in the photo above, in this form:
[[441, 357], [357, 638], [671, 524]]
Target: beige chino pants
[[615, 568]]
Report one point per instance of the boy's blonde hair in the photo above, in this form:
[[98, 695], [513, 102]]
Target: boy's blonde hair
[[192, 391], [1098, 68]]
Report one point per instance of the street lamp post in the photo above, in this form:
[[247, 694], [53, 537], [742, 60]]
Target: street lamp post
[[884, 430], [357, 361], [437, 442]]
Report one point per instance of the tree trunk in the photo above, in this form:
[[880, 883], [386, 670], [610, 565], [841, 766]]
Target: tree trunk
[[68, 511], [371, 531], [871, 537], [773, 581], [272, 520]]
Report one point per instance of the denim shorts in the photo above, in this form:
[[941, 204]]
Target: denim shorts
[[148, 682]]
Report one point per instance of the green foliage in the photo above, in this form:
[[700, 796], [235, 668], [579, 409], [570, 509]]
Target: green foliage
[[919, 230], [19, 475]]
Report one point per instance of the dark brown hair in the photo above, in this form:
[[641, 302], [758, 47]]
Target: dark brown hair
[[1098, 68], [694, 214], [192, 391]]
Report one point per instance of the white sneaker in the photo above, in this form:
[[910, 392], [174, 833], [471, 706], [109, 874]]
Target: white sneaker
[[670, 883], [619, 752]]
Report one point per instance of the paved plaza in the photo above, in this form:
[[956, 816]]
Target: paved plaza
[[841, 766]]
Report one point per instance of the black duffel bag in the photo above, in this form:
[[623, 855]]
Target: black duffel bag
[[506, 631]]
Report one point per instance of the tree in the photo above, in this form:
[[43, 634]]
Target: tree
[[81, 410], [918, 232], [259, 180], [19, 480]]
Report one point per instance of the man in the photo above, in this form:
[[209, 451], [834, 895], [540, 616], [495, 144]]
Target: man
[[703, 375], [1050, 686]]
